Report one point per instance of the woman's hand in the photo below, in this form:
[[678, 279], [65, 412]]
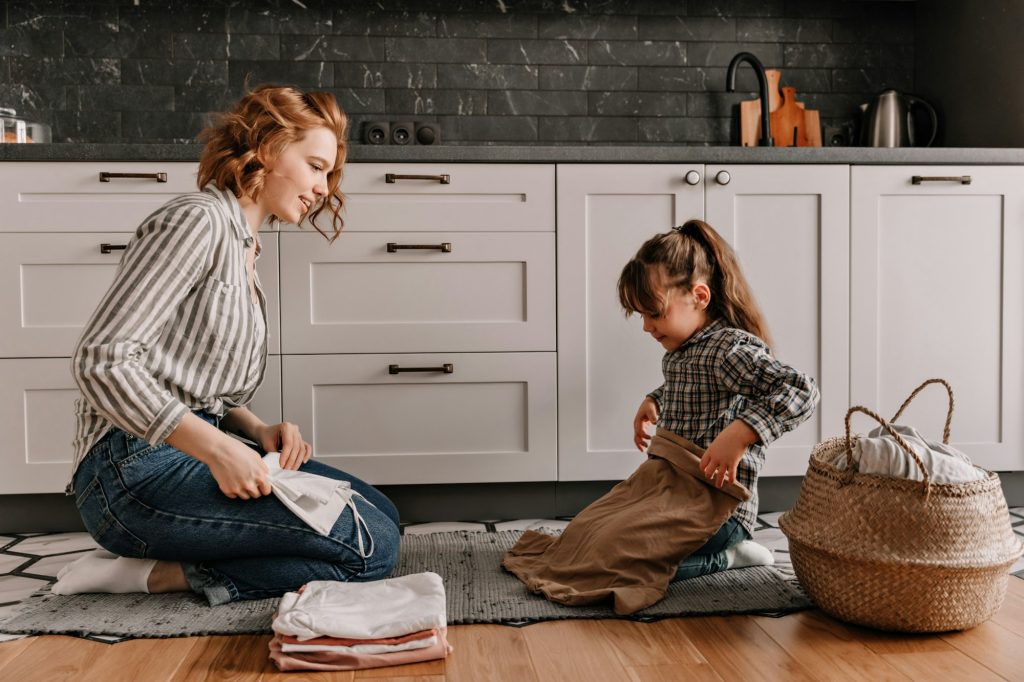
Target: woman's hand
[[722, 457], [647, 414], [239, 471], [285, 439]]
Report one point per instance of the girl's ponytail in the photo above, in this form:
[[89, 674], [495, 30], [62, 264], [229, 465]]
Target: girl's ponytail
[[731, 297]]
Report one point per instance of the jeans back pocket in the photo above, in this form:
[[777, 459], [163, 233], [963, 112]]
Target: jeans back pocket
[[103, 526]]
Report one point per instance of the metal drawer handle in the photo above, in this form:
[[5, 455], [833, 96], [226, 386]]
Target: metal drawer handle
[[447, 368], [392, 178], [110, 248], [159, 177], [962, 179], [444, 247]]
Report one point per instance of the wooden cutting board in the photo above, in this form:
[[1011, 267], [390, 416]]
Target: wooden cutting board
[[794, 126], [750, 118]]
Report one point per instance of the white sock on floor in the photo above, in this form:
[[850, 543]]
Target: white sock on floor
[[101, 571], [748, 553]]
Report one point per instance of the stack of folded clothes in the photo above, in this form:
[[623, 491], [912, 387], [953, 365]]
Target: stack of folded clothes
[[330, 625]]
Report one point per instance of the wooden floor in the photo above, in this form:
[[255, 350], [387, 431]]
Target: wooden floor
[[802, 646]]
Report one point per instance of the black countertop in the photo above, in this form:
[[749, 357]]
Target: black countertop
[[547, 154]]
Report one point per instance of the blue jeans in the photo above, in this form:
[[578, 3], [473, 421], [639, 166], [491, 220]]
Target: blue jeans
[[711, 557], [156, 502]]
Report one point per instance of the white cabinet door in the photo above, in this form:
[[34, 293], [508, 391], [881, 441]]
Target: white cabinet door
[[50, 284], [606, 364], [492, 418], [789, 225], [37, 413], [937, 290], [73, 197], [505, 197], [488, 292]]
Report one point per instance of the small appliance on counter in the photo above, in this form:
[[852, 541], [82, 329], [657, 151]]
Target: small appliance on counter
[[19, 131], [888, 121]]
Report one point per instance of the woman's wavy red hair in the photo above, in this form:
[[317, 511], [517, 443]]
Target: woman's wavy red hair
[[240, 143]]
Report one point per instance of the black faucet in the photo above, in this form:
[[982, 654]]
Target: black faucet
[[762, 83]]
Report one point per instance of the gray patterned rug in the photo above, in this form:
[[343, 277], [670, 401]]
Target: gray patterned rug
[[478, 590]]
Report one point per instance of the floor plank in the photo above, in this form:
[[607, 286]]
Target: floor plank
[[571, 651], [827, 648], [738, 649], [488, 652], [650, 644], [672, 673], [53, 658], [415, 671], [241, 658], [994, 646], [12, 649], [135, 660]]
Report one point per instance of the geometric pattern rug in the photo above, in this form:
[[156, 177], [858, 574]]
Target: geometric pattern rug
[[478, 590]]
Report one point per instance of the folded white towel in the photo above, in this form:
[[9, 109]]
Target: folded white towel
[[879, 453], [384, 608], [317, 500], [362, 648]]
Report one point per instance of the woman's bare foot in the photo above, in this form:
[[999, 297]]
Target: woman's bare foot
[[167, 576]]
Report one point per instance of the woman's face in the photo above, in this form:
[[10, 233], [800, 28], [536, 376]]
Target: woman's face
[[297, 180]]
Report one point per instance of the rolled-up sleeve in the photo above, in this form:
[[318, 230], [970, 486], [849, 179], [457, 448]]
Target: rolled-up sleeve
[[168, 256], [777, 398]]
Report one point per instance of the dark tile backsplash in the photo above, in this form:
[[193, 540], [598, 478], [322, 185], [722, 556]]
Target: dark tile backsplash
[[530, 71]]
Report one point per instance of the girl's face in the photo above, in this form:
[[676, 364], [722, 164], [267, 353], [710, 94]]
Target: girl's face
[[297, 180], [683, 315]]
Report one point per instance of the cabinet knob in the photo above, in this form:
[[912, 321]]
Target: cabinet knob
[[723, 177], [692, 177]]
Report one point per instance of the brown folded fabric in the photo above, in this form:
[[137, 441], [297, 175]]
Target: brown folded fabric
[[329, 660], [626, 546]]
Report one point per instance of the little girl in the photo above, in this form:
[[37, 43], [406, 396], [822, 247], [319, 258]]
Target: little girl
[[689, 508], [723, 389]]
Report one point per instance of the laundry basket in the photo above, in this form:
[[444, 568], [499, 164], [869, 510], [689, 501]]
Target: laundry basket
[[899, 554]]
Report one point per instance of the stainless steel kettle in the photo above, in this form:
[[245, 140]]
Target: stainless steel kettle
[[887, 121]]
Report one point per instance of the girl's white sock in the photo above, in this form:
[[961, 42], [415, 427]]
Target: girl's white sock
[[101, 571], [748, 553]]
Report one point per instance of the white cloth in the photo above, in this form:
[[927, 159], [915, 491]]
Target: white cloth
[[384, 608], [362, 648], [317, 500], [879, 453]]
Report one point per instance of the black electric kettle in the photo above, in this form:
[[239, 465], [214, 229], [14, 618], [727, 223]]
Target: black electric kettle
[[887, 121]]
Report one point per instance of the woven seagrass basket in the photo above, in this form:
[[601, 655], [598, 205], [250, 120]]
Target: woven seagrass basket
[[899, 554]]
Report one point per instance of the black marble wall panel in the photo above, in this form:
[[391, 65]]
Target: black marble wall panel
[[523, 71]]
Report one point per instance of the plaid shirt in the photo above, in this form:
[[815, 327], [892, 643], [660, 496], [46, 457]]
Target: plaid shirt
[[721, 374]]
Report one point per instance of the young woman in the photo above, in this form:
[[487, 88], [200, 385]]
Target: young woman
[[173, 354]]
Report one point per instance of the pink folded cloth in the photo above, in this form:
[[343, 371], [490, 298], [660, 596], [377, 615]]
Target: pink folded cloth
[[329, 660], [338, 641]]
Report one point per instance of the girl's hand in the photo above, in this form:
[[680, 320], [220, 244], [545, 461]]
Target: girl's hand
[[647, 414], [723, 456], [285, 439], [239, 471]]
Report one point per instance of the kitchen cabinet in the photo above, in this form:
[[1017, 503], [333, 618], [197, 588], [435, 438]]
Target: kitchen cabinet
[[420, 346], [54, 269], [937, 290], [789, 226]]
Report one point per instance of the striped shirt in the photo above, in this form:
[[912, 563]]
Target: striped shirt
[[721, 374], [178, 330]]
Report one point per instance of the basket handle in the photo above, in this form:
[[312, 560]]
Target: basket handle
[[926, 486], [949, 412]]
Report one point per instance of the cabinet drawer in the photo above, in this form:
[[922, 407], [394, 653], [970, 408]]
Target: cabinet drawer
[[51, 284], [37, 414], [491, 419], [477, 197], [69, 197], [490, 292]]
